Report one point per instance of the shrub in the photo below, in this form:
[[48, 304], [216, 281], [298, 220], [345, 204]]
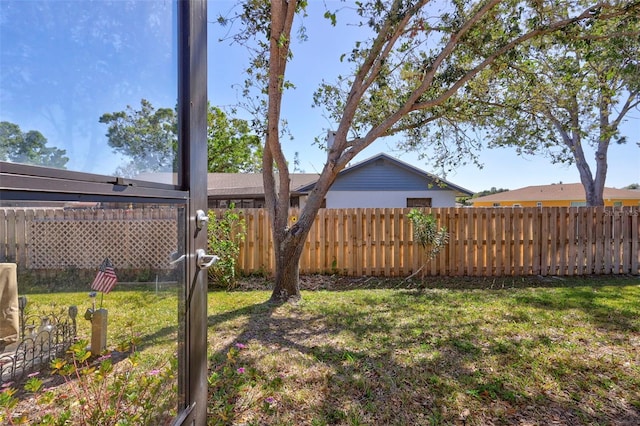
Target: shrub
[[428, 235], [225, 235], [97, 392]]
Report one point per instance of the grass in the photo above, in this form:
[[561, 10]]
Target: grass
[[136, 314], [564, 355], [133, 382]]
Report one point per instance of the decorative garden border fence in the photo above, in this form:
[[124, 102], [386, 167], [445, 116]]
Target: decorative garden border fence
[[483, 241], [42, 338]]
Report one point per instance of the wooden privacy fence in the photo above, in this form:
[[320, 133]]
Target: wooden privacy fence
[[483, 242]]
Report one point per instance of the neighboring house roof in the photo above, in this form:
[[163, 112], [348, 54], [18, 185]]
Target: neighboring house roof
[[249, 184], [555, 192], [225, 185], [395, 176]]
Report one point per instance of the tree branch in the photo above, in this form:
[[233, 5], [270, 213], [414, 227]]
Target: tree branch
[[491, 58], [282, 14], [632, 101], [367, 74]]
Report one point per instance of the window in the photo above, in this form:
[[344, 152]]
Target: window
[[244, 203], [496, 204], [539, 204], [418, 202]]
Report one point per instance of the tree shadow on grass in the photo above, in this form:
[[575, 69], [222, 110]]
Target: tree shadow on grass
[[386, 361], [164, 336], [612, 308]]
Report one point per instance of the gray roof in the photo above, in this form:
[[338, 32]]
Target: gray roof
[[225, 185], [249, 184]]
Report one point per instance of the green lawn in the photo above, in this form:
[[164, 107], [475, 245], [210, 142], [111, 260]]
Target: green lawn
[[557, 355], [136, 315], [117, 387], [567, 355]]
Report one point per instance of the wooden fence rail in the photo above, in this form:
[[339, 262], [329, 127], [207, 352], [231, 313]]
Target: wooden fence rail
[[483, 241]]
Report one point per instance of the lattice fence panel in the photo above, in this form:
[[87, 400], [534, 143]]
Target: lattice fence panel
[[83, 244]]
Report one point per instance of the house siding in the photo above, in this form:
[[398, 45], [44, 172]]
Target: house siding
[[556, 195], [386, 199], [554, 203], [382, 175]]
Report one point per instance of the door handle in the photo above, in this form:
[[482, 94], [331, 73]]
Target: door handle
[[202, 220], [204, 260]]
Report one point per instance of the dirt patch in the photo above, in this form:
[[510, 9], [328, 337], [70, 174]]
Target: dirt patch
[[342, 283]]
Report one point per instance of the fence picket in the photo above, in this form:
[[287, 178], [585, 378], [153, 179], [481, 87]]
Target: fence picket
[[13, 240], [483, 243], [598, 258], [617, 241], [395, 240], [562, 241], [458, 253], [524, 225], [635, 241], [608, 242], [580, 240], [368, 236], [625, 245]]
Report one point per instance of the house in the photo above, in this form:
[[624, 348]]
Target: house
[[380, 181], [555, 195], [384, 181]]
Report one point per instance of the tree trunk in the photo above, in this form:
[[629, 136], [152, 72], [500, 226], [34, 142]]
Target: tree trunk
[[289, 243], [287, 278], [593, 185], [594, 193]]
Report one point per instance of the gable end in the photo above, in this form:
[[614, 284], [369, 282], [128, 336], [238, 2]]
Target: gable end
[[382, 175]]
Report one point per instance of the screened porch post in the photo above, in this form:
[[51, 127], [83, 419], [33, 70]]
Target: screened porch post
[[192, 127]]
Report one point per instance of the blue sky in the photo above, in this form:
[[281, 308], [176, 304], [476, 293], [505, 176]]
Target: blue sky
[[65, 63], [318, 58]]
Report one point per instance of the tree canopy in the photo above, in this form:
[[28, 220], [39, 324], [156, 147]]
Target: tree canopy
[[29, 148], [148, 136], [232, 147], [563, 94]]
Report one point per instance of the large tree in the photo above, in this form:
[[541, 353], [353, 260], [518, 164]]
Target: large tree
[[232, 147], [404, 81], [148, 136], [29, 148], [564, 95]]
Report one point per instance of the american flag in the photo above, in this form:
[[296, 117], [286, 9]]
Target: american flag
[[106, 278]]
